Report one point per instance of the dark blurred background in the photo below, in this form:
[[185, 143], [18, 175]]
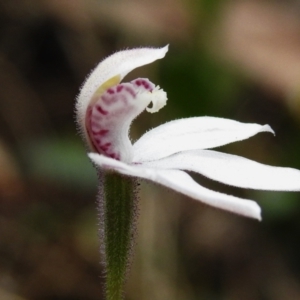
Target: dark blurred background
[[233, 59]]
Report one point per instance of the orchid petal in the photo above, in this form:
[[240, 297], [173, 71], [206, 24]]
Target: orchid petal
[[191, 134], [183, 183], [232, 170], [110, 72]]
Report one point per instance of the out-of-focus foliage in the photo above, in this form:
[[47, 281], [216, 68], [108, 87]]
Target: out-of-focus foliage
[[234, 59]]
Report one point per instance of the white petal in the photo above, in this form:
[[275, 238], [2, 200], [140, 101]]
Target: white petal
[[233, 170], [119, 64], [108, 163], [183, 183], [190, 134]]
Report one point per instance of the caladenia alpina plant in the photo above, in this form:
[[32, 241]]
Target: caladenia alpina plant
[[105, 109]]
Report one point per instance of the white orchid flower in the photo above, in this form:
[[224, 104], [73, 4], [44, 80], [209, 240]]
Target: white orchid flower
[[106, 108]]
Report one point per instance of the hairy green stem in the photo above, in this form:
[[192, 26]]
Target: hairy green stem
[[118, 214]]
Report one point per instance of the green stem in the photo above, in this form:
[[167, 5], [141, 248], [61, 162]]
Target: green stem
[[118, 213]]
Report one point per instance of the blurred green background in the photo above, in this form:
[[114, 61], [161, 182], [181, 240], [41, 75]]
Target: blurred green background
[[233, 59]]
